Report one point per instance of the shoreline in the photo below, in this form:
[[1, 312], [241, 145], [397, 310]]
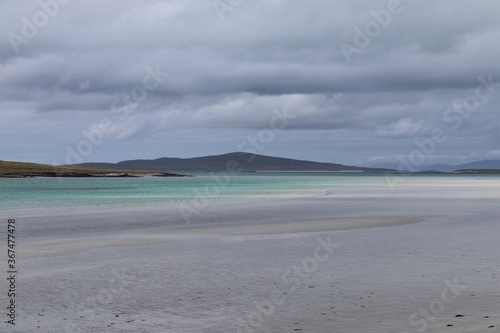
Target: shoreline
[[93, 175]]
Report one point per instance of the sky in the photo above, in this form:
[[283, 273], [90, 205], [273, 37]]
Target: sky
[[353, 82]]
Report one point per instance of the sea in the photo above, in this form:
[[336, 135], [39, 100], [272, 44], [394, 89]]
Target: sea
[[58, 195]]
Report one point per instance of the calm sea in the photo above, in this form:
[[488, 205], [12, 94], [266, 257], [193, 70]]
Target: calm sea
[[52, 195]]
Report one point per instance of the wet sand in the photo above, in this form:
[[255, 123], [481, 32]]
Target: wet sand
[[423, 256]]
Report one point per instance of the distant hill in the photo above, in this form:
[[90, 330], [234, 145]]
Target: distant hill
[[485, 164], [480, 165], [479, 171], [247, 162]]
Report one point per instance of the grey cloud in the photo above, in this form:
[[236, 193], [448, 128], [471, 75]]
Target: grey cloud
[[229, 75]]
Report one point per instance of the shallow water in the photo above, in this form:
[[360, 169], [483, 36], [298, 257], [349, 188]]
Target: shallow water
[[53, 195]]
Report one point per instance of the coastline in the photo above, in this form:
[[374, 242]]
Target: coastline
[[92, 175], [9, 169]]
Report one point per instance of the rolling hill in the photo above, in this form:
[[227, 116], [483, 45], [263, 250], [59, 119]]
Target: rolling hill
[[247, 162], [477, 165]]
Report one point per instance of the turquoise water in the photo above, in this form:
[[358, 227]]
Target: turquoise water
[[48, 195]]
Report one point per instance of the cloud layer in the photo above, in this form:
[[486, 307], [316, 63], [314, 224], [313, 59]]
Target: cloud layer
[[362, 79]]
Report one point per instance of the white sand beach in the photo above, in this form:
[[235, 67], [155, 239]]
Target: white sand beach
[[423, 257]]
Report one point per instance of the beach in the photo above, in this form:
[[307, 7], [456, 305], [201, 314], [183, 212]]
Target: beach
[[421, 256]]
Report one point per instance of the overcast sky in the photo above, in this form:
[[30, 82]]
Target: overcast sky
[[352, 82]]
